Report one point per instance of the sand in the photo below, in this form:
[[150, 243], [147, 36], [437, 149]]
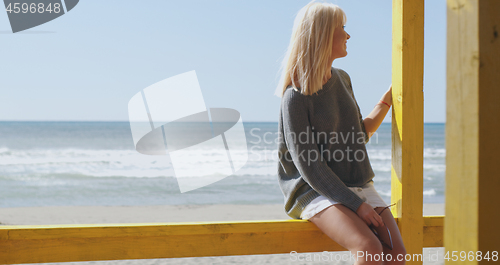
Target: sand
[[173, 213]]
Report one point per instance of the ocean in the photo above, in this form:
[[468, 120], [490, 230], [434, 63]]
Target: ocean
[[95, 163]]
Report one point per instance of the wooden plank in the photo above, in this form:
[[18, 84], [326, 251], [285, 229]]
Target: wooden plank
[[407, 121], [152, 229], [461, 127], [65, 243], [433, 231], [472, 126], [489, 126]]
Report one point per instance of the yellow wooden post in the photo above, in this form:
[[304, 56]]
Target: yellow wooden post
[[472, 130], [408, 122]]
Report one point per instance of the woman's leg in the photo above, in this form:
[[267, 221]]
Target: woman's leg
[[398, 247], [346, 228]]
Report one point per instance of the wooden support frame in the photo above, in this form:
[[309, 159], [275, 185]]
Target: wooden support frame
[[408, 121], [91, 242], [472, 127]]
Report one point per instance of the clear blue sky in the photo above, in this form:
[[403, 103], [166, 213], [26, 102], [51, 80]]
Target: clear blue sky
[[87, 64]]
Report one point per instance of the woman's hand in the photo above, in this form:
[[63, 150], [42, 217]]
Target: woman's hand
[[387, 97], [368, 214], [390, 94]]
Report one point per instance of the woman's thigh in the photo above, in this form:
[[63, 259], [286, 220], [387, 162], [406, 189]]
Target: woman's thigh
[[346, 228], [397, 240]]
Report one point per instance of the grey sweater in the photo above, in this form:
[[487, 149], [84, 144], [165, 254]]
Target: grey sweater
[[322, 146]]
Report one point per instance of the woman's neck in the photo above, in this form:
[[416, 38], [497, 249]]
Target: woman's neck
[[327, 76], [328, 73]]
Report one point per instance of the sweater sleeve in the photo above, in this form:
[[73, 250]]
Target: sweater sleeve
[[306, 156], [355, 101]]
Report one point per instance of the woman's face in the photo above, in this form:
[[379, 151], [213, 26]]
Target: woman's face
[[340, 38]]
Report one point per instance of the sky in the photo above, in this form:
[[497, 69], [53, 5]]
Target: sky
[[87, 64]]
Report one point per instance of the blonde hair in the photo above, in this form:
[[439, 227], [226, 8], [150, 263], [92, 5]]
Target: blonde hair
[[310, 49]]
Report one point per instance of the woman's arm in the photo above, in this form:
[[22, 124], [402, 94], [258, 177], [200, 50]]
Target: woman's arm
[[375, 118]]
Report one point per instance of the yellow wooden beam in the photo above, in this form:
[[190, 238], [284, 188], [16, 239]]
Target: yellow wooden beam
[[472, 127], [65, 243], [408, 121], [433, 231]]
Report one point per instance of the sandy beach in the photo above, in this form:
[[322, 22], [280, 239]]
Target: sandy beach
[[170, 213]]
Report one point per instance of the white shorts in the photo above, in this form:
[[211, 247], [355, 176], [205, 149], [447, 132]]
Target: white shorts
[[366, 192]]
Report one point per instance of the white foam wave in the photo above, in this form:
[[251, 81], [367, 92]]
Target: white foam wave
[[105, 163], [430, 192], [130, 163], [434, 153], [4, 151]]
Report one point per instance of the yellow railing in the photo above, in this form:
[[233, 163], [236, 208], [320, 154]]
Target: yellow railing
[[92, 242]]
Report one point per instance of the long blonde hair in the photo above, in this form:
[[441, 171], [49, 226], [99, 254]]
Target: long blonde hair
[[310, 49]]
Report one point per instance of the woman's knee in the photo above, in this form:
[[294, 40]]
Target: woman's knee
[[396, 256], [369, 252], [401, 250]]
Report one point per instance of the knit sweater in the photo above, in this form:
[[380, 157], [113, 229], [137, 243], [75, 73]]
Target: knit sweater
[[321, 146]]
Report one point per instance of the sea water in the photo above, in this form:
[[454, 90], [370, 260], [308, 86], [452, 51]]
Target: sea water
[[95, 163]]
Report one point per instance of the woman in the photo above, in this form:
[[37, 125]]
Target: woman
[[324, 171]]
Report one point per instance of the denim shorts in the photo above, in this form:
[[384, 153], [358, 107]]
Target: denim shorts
[[366, 192]]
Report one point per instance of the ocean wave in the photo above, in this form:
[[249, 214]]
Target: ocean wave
[[122, 163], [130, 163], [429, 192], [4, 150], [434, 153], [434, 167]]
